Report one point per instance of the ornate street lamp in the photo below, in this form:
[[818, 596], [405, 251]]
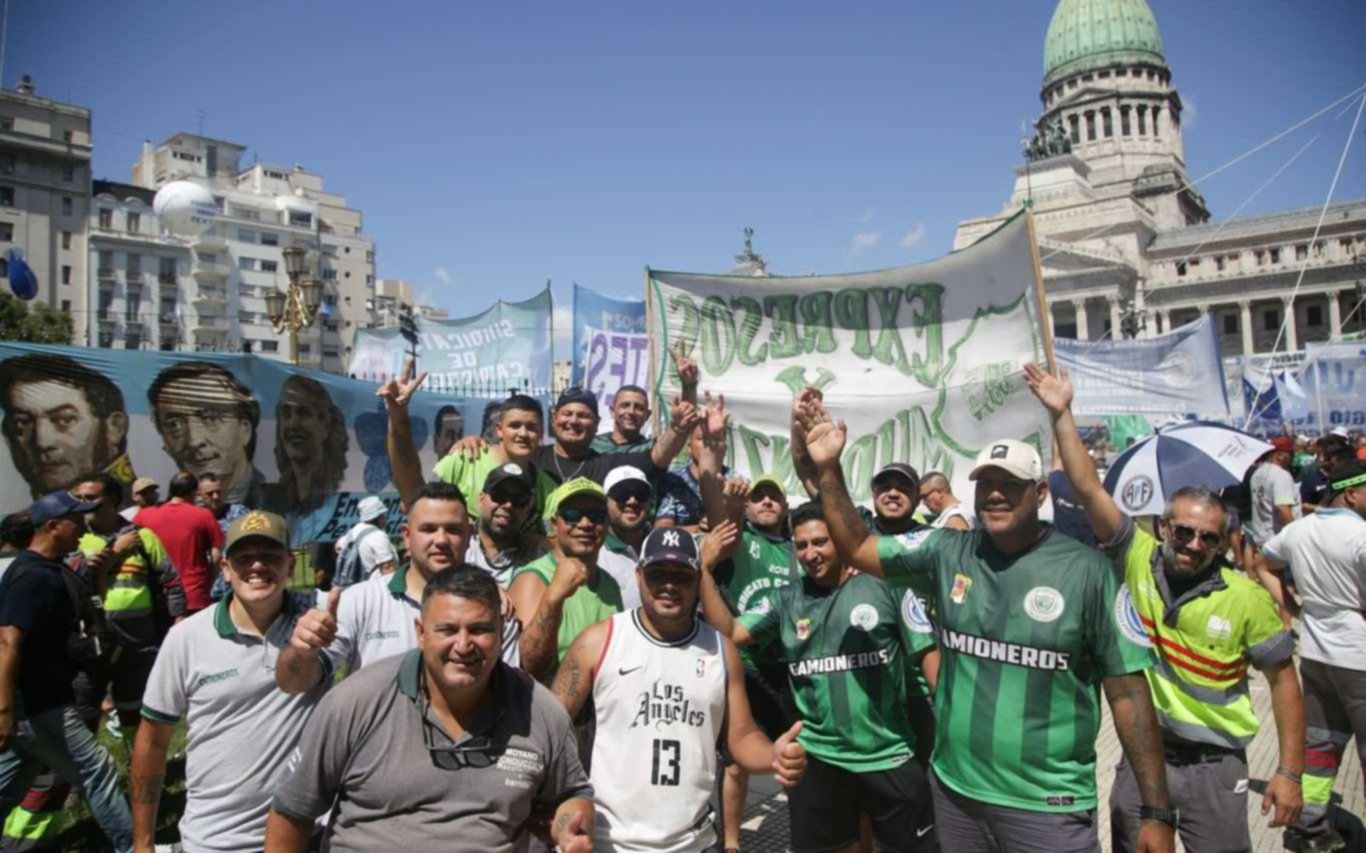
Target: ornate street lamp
[[296, 308]]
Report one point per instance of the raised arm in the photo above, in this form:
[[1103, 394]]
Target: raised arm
[[146, 777], [300, 667], [712, 459], [1055, 393], [801, 459], [683, 412], [403, 459], [717, 546], [824, 440], [1131, 707], [574, 679]]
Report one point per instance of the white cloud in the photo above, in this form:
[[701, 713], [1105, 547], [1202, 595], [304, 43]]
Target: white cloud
[[442, 275], [1189, 112], [864, 242], [563, 323], [914, 237]]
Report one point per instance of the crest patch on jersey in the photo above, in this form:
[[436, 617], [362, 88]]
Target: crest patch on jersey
[[1044, 604], [863, 617], [803, 628], [1127, 618], [912, 541], [961, 584], [913, 613], [1219, 628]]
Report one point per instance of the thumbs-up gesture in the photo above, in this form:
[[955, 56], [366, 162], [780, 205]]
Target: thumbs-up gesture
[[789, 757], [570, 834], [316, 629]]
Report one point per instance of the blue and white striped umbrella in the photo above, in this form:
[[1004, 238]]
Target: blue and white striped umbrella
[[1188, 454]]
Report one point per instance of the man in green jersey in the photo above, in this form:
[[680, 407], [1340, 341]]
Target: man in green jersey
[[844, 638], [1027, 633], [562, 593], [1206, 623]]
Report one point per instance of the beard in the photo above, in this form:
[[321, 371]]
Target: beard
[[1171, 565]]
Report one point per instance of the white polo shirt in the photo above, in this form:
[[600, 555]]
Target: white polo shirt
[[1326, 552], [241, 727]]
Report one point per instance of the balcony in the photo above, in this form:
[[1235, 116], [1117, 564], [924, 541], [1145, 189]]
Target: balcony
[[210, 240], [210, 270], [132, 321], [166, 278], [106, 274], [133, 281], [210, 326], [211, 297]]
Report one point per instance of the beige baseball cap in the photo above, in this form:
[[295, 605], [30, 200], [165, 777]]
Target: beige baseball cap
[[1014, 457]]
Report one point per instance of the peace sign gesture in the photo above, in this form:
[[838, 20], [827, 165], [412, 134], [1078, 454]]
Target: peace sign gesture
[[399, 390], [685, 364]]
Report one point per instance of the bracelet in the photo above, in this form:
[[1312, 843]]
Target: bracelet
[[1289, 774]]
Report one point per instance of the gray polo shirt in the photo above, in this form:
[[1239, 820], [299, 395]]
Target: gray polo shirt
[[366, 750], [241, 727], [619, 558]]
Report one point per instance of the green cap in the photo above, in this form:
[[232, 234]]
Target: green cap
[[573, 488], [768, 480], [265, 525]]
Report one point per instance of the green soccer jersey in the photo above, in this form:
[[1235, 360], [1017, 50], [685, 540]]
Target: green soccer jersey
[[761, 565], [1024, 642], [845, 651]]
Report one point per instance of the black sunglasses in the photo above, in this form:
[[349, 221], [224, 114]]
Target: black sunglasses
[[574, 516], [1207, 538], [514, 498], [475, 753]]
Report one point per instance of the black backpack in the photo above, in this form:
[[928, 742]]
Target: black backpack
[[87, 642]]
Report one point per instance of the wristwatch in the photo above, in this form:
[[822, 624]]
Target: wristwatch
[[1171, 817]]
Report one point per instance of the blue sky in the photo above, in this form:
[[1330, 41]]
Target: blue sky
[[494, 145]]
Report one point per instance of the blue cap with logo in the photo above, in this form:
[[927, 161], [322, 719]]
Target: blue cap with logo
[[669, 545], [57, 504]]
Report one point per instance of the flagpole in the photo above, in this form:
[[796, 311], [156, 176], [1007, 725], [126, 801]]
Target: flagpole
[[1045, 317], [649, 314]]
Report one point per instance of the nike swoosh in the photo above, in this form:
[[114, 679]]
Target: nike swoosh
[[624, 671], [921, 832]]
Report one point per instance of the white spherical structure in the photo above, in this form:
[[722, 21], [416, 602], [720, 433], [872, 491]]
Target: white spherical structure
[[185, 208]]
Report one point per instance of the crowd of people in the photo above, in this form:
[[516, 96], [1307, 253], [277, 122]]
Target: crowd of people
[[578, 644]]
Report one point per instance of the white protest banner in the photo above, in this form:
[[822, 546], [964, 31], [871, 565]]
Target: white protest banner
[[1177, 373], [924, 362]]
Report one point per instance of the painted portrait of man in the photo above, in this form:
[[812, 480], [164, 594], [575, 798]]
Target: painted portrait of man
[[447, 429], [207, 419], [310, 446], [62, 420]]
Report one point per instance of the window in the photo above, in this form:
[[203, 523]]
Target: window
[[1271, 320], [66, 240], [7, 162], [133, 341], [329, 275], [1275, 256], [106, 218], [7, 232], [1075, 124], [4, 268], [68, 136], [1230, 324], [134, 222], [134, 264], [329, 250], [1181, 269], [1156, 123], [1313, 315], [1261, 258], [106, 263], [132, 307], [66, 306], [330, 352], [68, 206], [167, 311], [166, 270], [68, 173], [1142, 121], [270, 346], [268, 239], [1090, 127], [305, 349], [1107, 126], [1301, 251], [1318, 249], [370, 257], [269, 266], [271, 173], [168, 343], [66, 273], [1219, 263], [6, 123], [6, 196], [369, 281], [244, 263], [246, 236], [1125, 129], [300, 220]]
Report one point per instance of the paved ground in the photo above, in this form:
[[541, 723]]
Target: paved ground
[[765, 826]]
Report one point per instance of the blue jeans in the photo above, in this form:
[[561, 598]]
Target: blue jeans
[[59, 740]]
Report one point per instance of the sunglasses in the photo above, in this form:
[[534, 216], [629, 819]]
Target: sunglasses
[[475, 753], [1185, 532], [623, 494], [574, 516], [515, 499]]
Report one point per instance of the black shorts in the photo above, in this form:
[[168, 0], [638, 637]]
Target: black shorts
[[823, 810], [128, 674]]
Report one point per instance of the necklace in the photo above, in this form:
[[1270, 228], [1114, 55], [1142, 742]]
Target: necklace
[[558, 470]]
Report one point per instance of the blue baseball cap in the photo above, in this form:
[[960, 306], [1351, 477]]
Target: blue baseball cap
[[669, 545], [57, 504]]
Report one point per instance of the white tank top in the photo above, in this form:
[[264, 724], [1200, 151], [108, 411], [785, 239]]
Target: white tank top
[[660, 711]]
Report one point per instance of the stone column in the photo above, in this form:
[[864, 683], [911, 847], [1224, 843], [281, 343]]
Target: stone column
[[1115, 333], [1292, 341], [1245, 324], [1335, 314], [1079, 306]]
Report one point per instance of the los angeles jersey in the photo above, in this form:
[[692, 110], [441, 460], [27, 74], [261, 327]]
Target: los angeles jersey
[[660, 711]]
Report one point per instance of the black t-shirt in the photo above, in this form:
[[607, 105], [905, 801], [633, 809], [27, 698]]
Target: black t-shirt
[[34, 599], [1069, 517], [595, 466]]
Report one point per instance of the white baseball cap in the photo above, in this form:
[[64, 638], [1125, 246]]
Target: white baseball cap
[[1011, 456], [624, 474], [371, 508]]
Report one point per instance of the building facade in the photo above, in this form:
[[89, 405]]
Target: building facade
[[1126, 243], [45, 151], [395, 295]]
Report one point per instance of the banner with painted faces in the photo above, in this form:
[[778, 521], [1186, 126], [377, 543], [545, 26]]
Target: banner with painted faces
[[302, 443], [924, 363]]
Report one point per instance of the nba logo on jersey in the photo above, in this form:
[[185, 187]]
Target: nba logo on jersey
[[701, 667], [961, 585], [803, 628]]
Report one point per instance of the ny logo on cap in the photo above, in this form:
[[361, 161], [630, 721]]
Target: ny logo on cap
[[670, 538], [1000, 451]]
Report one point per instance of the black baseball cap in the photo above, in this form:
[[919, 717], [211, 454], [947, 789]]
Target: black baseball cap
[[897, 469], [1347, 475], [578, 395], [669, 545], [510, 472], [57, 504]]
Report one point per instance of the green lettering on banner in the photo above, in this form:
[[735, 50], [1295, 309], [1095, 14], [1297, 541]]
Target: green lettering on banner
[[851, 312], [751, 319], [783, 341], [858, 461], [818, 333], [888, 301], [767, 454], [930, 322], [681, 303], [718, 336]]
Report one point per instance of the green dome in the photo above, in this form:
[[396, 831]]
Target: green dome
[[1086, 34]]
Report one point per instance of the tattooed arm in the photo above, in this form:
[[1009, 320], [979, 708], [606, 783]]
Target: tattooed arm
[[1131, 706], [574, 679], [540, 643], [572, 827], [147, 773]]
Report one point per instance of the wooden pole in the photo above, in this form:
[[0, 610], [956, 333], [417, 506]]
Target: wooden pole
[[658, 408], [1045, 316]]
